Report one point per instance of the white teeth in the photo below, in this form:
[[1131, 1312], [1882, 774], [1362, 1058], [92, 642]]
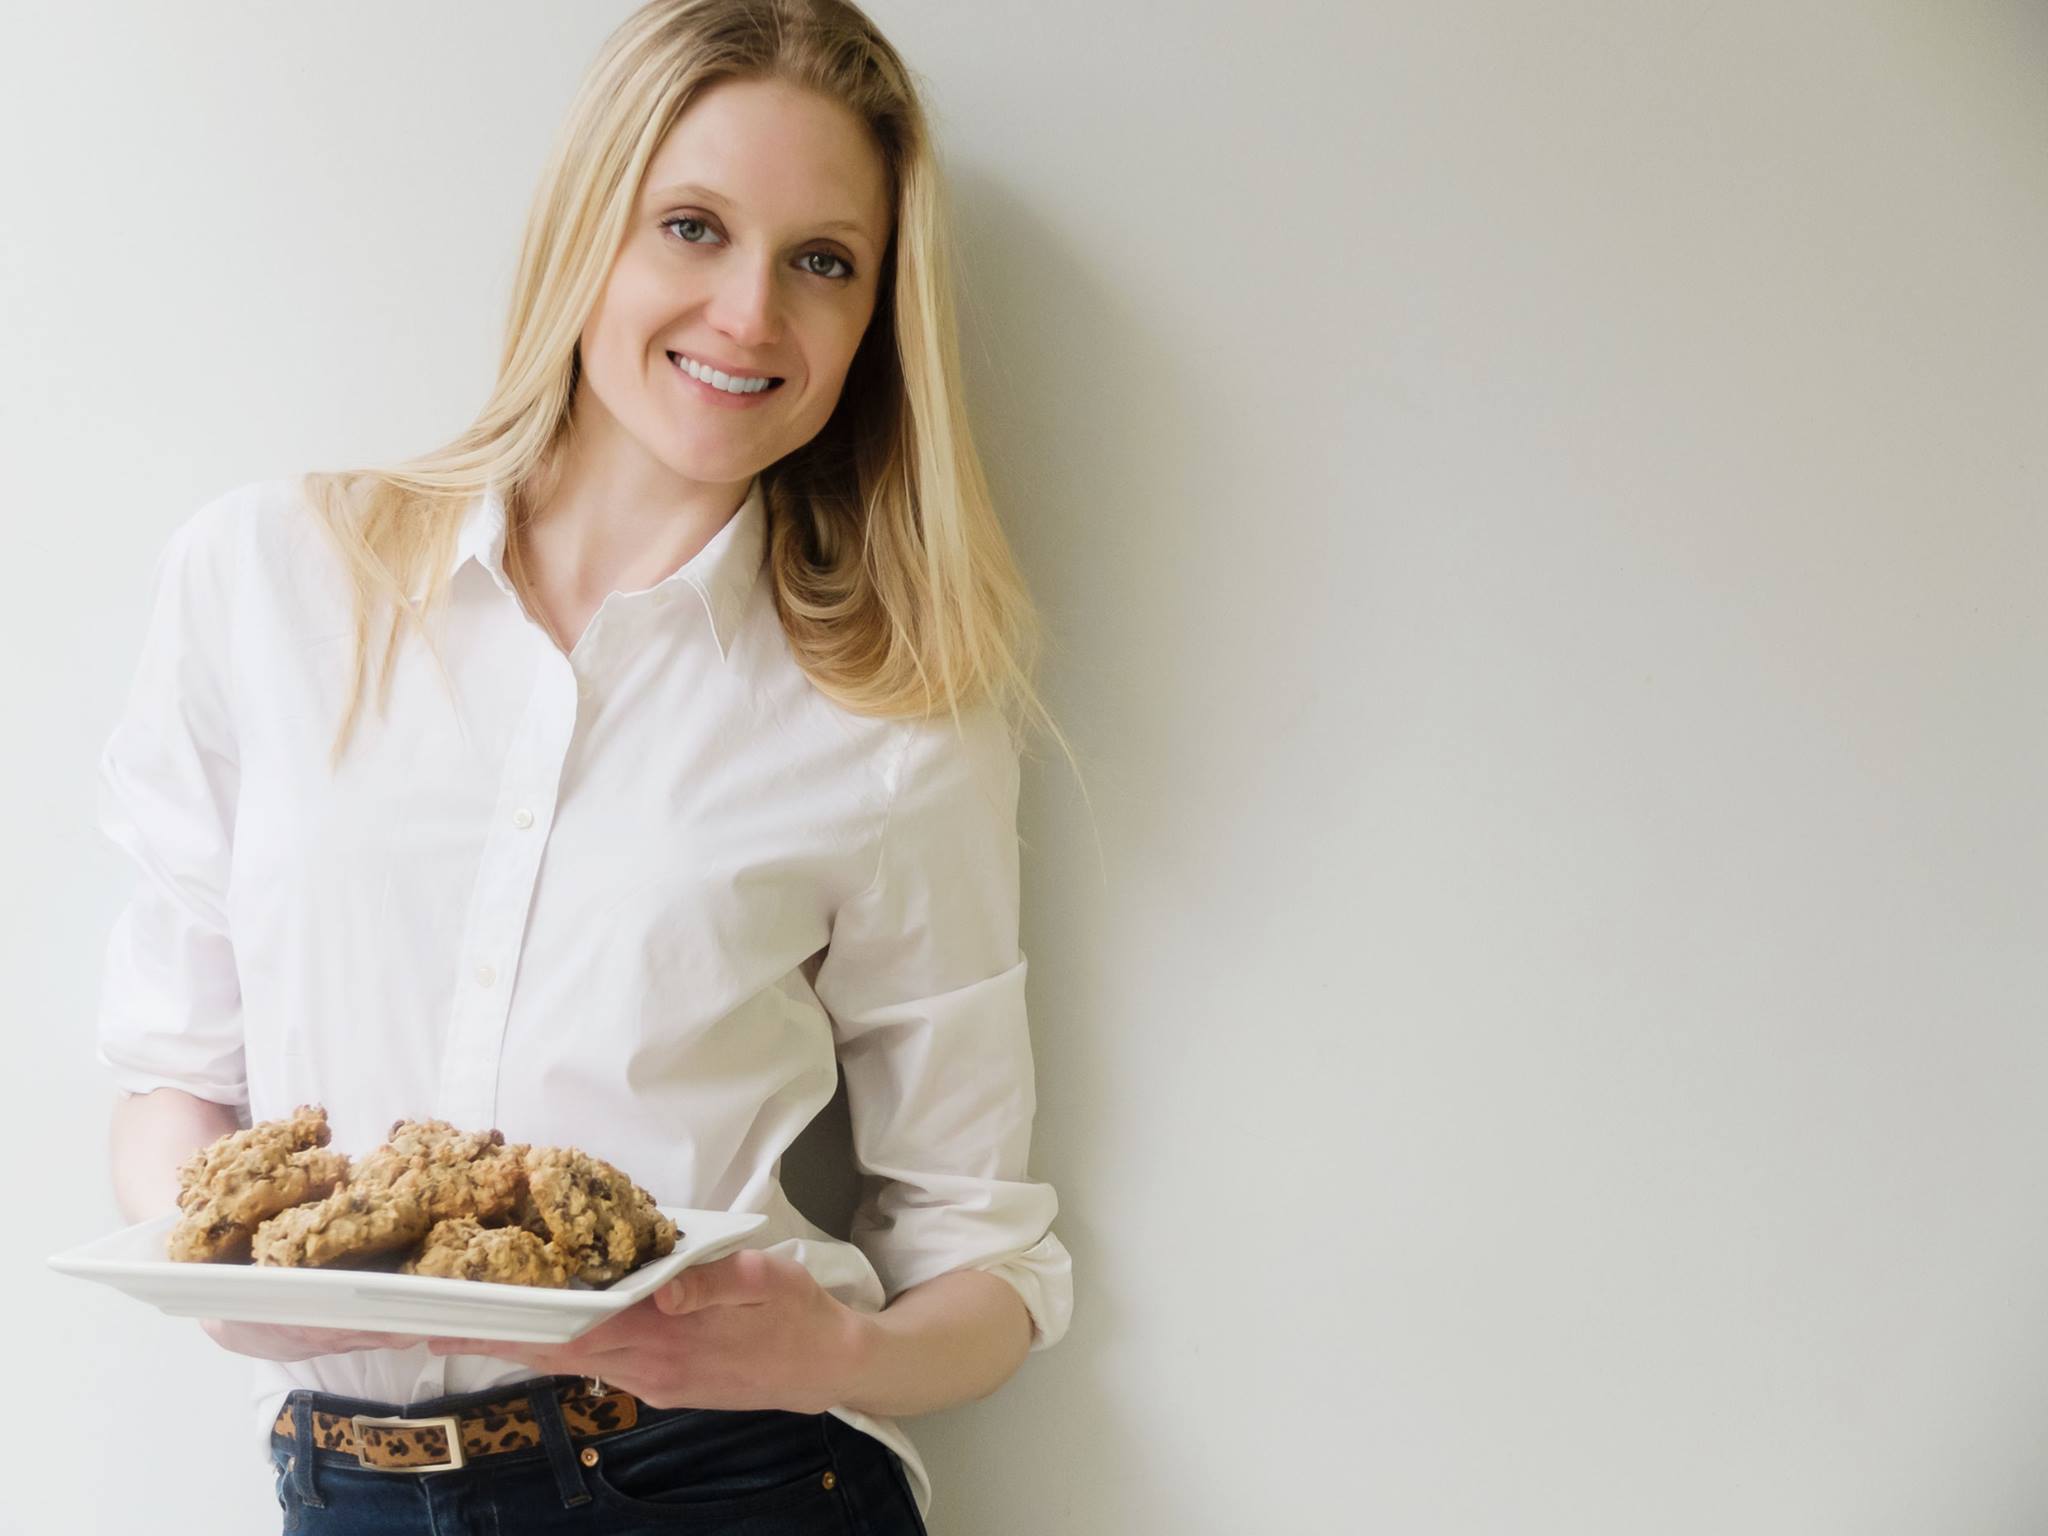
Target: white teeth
[[717, 380]]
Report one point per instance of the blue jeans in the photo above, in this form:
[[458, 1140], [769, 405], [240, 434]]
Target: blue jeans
[[699, 1470]]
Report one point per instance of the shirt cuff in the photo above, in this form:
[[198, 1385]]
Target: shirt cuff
[[139, 1080], [1043, 1275]]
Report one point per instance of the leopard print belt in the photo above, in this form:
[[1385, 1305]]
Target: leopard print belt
[[443, 1442]]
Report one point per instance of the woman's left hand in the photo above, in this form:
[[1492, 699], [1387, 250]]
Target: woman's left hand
[[754, 1330]]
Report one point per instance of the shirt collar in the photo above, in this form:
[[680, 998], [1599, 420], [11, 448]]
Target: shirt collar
[[722, 573]]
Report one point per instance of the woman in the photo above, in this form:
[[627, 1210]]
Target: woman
[[693, 770]]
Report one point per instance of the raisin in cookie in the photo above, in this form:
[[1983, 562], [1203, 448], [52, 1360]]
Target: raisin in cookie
[[601, 1222], [462, 1248], [228, 1189]]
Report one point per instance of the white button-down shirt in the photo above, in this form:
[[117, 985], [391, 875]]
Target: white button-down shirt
[[635, 899]]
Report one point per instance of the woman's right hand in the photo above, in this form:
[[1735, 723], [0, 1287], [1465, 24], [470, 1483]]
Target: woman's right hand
[[286, 1341]]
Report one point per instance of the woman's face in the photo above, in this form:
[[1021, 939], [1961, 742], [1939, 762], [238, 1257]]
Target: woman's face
[[755, 247]]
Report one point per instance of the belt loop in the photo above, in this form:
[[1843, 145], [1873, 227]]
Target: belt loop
[[554, 1434], [302, 1450]]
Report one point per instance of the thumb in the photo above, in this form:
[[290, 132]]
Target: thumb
[[722, 1283], [686, 1293]]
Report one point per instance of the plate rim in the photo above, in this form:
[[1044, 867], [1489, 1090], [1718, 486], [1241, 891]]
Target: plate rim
[[153, 1281]]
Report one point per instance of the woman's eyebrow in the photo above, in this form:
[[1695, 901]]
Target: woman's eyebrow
[[693, 189]]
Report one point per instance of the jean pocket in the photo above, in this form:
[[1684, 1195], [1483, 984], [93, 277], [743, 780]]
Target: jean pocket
[[807, 1501], [721, 1470]]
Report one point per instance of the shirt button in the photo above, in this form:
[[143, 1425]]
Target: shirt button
[[522, 818], [486, 974]]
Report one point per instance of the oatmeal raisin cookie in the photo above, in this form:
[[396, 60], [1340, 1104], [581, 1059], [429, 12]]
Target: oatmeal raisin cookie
[[603, 1223], [229, 1188], [462, 1248]]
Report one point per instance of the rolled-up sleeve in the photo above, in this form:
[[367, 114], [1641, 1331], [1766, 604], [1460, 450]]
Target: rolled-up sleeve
[[170, 1012], [924, 981]]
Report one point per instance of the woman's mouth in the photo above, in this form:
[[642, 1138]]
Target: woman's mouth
[[709, 383]]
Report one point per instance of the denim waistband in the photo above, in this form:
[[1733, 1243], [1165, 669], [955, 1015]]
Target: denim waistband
[[543, 1393], [453, 1402], [721, 1437]]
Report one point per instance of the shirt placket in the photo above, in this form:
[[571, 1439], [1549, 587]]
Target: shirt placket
[[495, 931]]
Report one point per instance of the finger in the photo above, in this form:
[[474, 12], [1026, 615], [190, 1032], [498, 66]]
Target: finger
[[536, 1355], [388, 1340], [349, 1338], [738, 1281], [442, 1345], [618, 1332]]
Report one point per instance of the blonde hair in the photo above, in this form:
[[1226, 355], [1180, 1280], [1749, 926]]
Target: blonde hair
[[892, 578]]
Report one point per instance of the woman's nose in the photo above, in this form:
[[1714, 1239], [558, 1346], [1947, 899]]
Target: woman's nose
[[745, 304]]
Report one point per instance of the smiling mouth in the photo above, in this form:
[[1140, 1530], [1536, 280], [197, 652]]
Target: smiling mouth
[[690, 368]]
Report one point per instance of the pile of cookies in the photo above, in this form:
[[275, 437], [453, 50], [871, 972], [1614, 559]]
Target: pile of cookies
[[433, 1200]]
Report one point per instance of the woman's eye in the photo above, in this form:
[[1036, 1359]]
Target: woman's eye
[[683, 218], [828, 256], [676, 222]]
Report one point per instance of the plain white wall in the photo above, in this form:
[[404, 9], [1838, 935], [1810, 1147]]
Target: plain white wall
[[1542, 513]]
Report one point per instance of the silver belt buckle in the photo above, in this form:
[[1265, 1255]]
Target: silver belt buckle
[[448, 1428]]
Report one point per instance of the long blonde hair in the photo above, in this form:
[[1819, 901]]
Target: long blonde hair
[[893, 581]]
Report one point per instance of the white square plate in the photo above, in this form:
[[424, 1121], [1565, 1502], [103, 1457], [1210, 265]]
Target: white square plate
[[133, 1260]]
